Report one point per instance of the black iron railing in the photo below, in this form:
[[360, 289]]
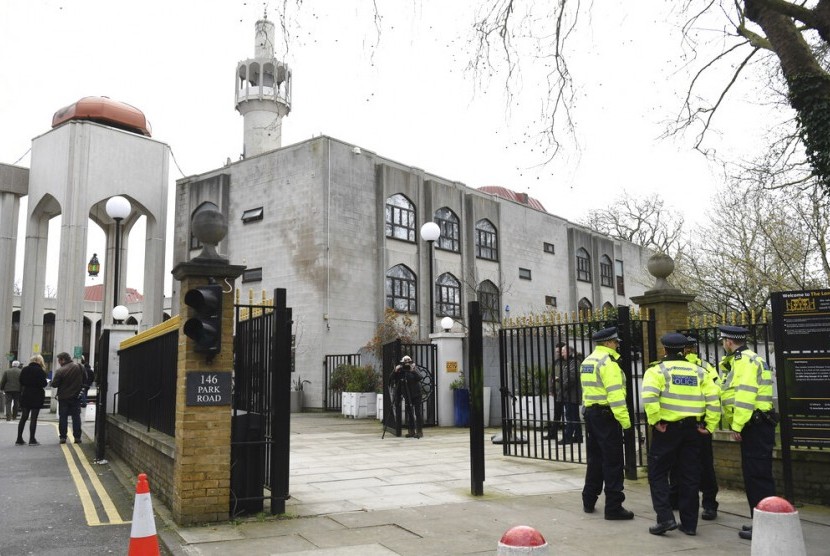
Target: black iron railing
[[147, 378]]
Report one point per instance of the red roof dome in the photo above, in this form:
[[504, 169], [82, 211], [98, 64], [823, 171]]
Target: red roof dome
[[511, 195], [106, 111]]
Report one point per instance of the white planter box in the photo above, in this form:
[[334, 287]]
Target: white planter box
[[359, 405], [379, 403]]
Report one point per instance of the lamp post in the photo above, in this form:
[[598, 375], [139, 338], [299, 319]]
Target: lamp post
[[118, 208], [430, 232]]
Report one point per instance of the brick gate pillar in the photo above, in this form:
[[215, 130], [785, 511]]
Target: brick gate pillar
[[202, 464], [671, 306]]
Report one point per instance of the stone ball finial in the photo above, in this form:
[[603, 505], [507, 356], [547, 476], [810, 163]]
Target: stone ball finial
[[661, 265], [210, 227]]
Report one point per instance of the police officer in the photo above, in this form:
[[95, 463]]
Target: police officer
[[747, 392], [708, 478], [606, 415], [682, 404]]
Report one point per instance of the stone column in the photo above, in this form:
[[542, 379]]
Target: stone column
[[671, 306], [450, 363]]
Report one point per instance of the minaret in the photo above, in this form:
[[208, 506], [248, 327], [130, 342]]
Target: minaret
[[263, 93]]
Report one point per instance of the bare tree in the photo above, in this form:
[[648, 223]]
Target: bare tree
[[778, 38], [645, 221], [757, 242]]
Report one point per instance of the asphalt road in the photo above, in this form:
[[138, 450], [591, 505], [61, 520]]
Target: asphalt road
[[55, 500]]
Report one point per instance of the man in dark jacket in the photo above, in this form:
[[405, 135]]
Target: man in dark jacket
[[69, 380], [10, 385]]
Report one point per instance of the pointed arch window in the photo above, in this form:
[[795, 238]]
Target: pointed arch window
[[400, 218], [487, 244], [606, 271], [449, 295], [450, 230], [584, 304], [488, 300], [401, 292], [583, 265]]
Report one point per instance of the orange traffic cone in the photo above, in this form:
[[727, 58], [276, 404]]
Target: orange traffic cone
[[143, 540]]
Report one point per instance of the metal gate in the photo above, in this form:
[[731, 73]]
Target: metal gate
[[260, 422], [332, 399], [531, 368], [425, 357]]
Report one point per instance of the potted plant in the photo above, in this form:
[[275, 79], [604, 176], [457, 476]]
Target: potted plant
[[358, 386], [297, 394], [535, 402], [461, 401]]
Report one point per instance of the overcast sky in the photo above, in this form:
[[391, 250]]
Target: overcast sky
[[402, 92]]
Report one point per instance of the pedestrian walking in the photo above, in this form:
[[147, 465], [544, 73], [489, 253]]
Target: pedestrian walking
[[10, 386], [89, 378], [570, 395], [606, 416], [32, 393], [747, 391], [682, 403], [69, 380]]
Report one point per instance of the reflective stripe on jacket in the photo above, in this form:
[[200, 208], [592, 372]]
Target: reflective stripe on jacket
[[708, 367], [751, 382], [603, 383], [674, 389]]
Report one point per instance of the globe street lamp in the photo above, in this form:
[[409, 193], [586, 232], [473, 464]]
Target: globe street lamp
[[118, 208], [430, 232], [446, 324]]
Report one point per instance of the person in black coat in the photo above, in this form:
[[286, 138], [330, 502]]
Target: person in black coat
[[32, 393]]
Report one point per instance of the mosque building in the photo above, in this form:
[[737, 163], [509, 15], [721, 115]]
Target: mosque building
[[339, 227]]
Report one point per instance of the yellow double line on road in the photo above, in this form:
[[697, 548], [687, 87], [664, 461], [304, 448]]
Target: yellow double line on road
[[84, 493]]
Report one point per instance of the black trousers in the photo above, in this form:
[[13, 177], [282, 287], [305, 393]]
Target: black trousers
[[708, 478], [415, 414], [757, 441], [604, 448], [679, 445]]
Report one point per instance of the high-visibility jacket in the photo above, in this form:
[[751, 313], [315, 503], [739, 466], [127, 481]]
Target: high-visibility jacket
[[708, 367], [727, 390], [674, 389], [603, 383], [747, 387]]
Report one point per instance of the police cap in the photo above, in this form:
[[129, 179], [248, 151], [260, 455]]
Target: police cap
[[605, 335], [674, 340], [733, 332]]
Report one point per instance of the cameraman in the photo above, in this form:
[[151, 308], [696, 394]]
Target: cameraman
[[409, 386]]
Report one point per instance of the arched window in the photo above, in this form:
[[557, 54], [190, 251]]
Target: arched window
[[401, 293], [487, 245], [400, 218], [608, 309], [584, 304], [448, 223], [449, 295], [583, 265], [488, 300], [606, 271]]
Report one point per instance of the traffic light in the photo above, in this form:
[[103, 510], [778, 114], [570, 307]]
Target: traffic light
[[204, 327]]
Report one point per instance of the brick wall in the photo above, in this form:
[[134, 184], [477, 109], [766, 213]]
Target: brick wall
[[810, 470], [144, 452]]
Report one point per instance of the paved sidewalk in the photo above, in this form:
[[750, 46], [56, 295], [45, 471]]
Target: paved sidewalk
[[355, 493]]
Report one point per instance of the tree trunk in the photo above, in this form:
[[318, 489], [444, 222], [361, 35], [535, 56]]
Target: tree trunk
[[809, 84]]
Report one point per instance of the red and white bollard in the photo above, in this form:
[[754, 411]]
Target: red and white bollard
[[522, 540], [776, 529]]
